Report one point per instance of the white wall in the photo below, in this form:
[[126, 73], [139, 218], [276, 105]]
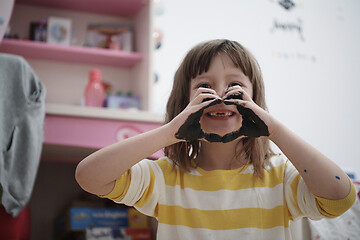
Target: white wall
[[311, 78]]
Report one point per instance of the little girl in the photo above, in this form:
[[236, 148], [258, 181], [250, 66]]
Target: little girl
[[219, 178]]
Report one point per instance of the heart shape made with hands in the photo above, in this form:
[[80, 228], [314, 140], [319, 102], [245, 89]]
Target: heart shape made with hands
[[252, 125]]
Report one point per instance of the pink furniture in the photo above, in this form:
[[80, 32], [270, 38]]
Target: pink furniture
[[90, 133], [76, 54], [72, 132], [125, 8]]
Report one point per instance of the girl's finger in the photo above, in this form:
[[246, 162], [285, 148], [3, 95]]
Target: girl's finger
[[204, 101], [202, 90], [203, 97], [233, 88], [232, 101], [237, 92]]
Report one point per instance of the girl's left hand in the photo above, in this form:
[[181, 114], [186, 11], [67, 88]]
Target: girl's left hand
[[256, 121]]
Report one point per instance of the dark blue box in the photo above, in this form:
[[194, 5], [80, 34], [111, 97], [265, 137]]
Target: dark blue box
[[82, 218]]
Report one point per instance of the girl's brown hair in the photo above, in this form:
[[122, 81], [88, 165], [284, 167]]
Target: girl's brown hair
[[197, 61]]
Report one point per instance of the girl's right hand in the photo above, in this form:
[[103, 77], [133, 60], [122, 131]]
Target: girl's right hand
[[186, 126]]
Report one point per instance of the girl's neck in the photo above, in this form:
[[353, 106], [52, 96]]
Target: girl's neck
[[215, 156]]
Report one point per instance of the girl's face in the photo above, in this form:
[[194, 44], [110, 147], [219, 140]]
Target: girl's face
[[222, 74]]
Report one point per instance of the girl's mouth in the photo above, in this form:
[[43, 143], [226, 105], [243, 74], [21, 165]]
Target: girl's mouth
[[220, 114]]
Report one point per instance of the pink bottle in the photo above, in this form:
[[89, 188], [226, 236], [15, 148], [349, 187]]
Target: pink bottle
[[94, 91]]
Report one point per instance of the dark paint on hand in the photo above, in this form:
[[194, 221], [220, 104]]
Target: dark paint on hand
[[252, 125]]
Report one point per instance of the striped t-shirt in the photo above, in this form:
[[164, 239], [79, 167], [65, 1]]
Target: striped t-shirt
[[223, 204]]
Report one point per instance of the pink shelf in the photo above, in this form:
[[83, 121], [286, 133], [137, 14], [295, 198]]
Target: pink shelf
[[91, 133], [45, 51], [124, 8]]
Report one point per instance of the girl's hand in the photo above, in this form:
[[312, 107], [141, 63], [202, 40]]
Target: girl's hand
[[186, 125], [256, 121]]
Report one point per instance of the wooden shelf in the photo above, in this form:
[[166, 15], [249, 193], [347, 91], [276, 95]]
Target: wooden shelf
[[126, 8], [86, 55]]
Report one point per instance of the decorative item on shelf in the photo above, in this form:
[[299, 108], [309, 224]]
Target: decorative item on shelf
[[94, 92], [38, 31], [119, 101], [158, 37], [59, 30], [8, 33], [111, 36]]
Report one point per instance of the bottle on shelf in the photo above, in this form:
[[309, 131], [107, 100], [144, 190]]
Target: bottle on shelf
[[94, 91]]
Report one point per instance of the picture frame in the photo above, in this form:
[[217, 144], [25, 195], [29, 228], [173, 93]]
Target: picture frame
[[59, 30]]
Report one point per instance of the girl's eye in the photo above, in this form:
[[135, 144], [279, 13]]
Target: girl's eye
[[205, 85], [234, 84]]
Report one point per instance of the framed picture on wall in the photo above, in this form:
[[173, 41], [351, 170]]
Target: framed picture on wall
[[59, 30]]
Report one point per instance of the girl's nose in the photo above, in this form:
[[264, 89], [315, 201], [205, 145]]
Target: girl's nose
[[221, 92]]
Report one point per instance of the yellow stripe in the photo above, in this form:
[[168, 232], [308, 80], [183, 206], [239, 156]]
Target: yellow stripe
[[334, 208], [148, 191], [121, 187], [224, 219], [229, 181], [294, 187]]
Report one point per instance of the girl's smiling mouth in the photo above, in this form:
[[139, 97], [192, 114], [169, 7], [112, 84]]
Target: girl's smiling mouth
[[221, 114]]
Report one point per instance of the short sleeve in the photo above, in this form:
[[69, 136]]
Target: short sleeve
[[140, 187], [335, 208], [302, 203]]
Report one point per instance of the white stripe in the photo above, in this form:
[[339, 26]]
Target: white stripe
[[194, 172], [158, 190], [138, 184], [231, 199], [174, 232], [306, 202], [275, 161], [305, 199]]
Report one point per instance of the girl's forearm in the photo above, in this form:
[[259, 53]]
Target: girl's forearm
[[97, 172], [322, 176]]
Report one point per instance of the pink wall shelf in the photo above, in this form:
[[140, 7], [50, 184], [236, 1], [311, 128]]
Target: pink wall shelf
[[90, 133], [124, 8], [74, 132], [86, 55]]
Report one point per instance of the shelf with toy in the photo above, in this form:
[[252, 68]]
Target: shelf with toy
[[103, 113], [63, 68], [126, 8], [76, 54]]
